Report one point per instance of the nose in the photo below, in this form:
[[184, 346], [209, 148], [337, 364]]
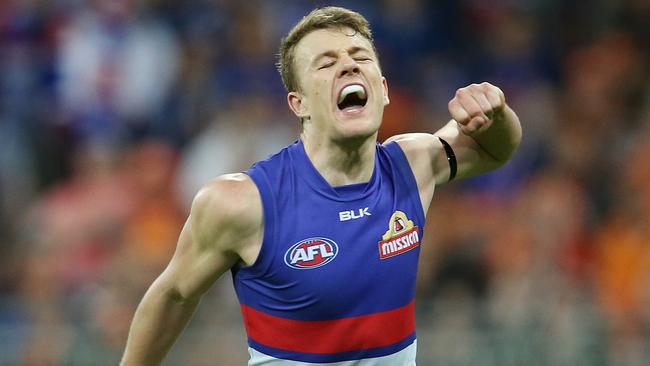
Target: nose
[[349, 66]]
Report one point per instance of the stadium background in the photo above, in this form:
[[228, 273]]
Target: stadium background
[[113, 113]]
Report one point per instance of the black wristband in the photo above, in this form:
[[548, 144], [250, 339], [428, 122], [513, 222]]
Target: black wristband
[[451, 158]]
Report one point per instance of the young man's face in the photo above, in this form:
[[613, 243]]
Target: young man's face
[[342, 91]]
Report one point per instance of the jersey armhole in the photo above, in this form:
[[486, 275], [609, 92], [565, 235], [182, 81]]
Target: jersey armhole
[[402, 164]]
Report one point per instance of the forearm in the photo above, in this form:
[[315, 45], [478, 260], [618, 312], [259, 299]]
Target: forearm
[[501, 140], [158, 321]]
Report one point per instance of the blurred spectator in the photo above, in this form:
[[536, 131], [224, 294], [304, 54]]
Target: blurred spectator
[[78, 224], [220, 148], [116, 66], [623, 258], [152, 227]]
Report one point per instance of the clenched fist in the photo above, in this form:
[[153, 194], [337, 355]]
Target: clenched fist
[[476, 107]]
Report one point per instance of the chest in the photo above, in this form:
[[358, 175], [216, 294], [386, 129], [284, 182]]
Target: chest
[[336, 251]]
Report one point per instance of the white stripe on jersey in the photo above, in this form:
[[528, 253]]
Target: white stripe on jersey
[[405, 357]]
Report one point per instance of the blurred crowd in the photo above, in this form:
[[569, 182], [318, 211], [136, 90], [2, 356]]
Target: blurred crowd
[[114, 112]]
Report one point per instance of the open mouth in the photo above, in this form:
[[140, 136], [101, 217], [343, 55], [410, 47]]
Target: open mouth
[[352, 97]]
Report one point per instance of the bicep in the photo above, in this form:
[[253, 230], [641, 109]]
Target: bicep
[[195, 264]]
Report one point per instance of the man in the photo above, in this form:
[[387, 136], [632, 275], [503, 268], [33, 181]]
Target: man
[[323, 237]]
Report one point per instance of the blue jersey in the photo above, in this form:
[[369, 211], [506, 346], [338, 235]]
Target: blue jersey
[[334, 282]]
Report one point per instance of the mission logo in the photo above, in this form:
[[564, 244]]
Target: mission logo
[[402, 236], [311, 253]]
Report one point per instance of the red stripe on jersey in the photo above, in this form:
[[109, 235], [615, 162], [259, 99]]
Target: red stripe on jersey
[[330, 336]]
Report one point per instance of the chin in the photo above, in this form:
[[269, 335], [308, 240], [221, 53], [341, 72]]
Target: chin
[[361, 128]]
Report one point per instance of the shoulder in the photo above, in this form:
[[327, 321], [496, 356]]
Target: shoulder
[[416, 143], [421, 149], [234, 189], [230, 205]]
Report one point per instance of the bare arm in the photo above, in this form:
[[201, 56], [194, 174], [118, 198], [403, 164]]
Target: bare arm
[[484, 134], [224, 227]]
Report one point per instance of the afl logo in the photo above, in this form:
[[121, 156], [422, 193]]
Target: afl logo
[[311, 253]]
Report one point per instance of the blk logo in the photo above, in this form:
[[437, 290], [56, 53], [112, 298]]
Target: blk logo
[[352, 214], [311, 253]]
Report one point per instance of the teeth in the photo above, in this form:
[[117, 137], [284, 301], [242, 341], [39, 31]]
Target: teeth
[[355, 88]]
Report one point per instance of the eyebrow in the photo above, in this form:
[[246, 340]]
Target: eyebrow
[[333, 54]]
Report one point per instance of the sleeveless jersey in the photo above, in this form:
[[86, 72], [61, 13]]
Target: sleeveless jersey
[[334, 282]]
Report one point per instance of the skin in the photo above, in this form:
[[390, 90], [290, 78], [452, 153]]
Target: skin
[[226, 225]]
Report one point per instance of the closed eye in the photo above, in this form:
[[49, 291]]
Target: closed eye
[[325, 66]]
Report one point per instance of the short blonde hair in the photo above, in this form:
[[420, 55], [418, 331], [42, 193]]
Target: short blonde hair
[[322, 18]]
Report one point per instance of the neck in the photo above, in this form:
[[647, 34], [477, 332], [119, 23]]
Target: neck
[[342, 162]]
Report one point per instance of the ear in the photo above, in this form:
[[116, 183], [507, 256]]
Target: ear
[[385, 85], [297, 105]]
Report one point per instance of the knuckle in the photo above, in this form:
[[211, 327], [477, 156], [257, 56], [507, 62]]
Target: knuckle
[[464, 90]]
